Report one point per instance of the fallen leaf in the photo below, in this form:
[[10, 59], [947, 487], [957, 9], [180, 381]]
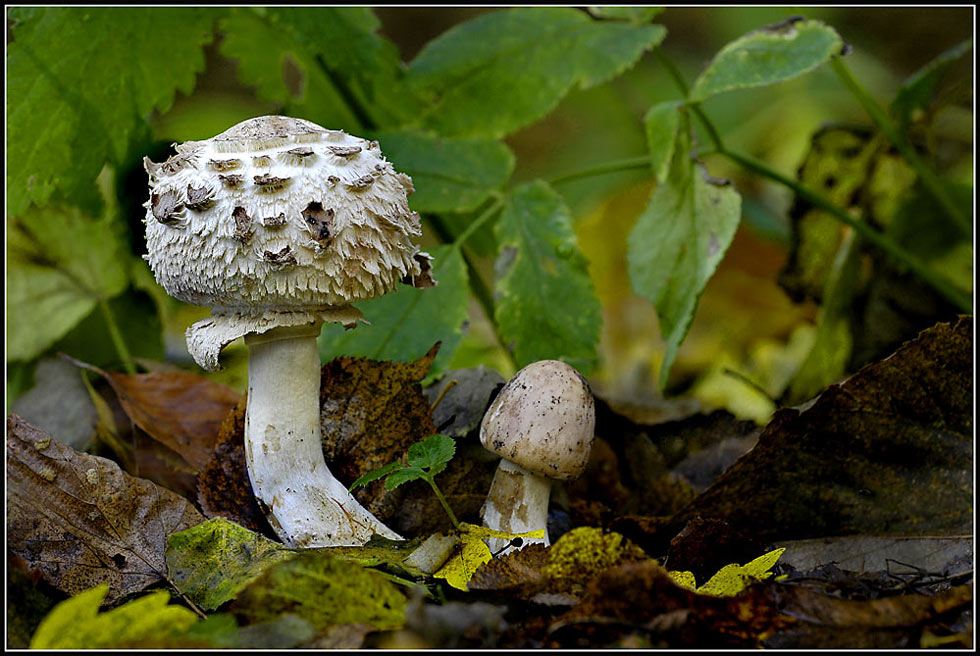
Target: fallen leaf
[[474, 552], [59, 404], [213, 561], [77, 624], [82, 521], [325, 591], [868, 553], [461, 408], [731, 579], [886, 452], [707, 545]]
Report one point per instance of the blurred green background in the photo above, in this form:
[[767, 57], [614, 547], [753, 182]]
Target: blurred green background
[[745, 322]]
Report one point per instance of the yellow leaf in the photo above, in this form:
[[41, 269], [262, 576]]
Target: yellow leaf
[[732, 579], [684, 579], [586, 550], [474, 552]]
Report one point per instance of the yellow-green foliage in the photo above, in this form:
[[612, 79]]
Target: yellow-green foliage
[[731, 579], [586, 550], [77, 624]]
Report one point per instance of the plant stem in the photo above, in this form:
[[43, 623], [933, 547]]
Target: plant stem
[[897, 139], [116, 336], [883, 242], [609, 167], [449, 511], [478, 222]]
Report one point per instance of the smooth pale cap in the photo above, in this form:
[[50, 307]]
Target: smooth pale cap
[[543, 420]]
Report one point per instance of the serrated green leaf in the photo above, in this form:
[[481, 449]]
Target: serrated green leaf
[[80, 83], [768, 55], [677, 243], [325, 591], [546, 305], [503, 70], [405, 324], [432, 453], [917, 91], [450, 175], [404, 475], [318, 47], [212, 562], [662, 122], [635, 15], [60, 265], [77, 624], [375, 474]]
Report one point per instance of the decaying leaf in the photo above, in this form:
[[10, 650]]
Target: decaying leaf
[[77, 624], [868, 553], [325, 591], [732, 578], [886, 452], [213, 561], [82, 521], [474, 552]]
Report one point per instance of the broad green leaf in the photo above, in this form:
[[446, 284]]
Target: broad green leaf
[[677, 243], [450, 175], [503, 70], [916, 93], [404, 475], [80, 83], [77, 624], [474, 552], [546, 307], [214, 561], [432, 453], [768, 55], [60, 265], [662, 122], [636, 15], [325, 591], [375, 474], [310, 58], [405, 324]]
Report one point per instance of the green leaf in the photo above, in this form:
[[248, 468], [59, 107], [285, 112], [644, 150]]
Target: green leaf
[[405, 324], [76, 623], [450, 175], [662, 122], [546, 305], [325, 591], [677, 243], [916, 93], [635, 15], [60, 265], [768, 55], [214, 561], [432, 453], [80, 83], [375, 474], [322, 63], [405, 475], [503, 70]]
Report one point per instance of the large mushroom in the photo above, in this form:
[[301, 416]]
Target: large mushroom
[[542, 424], [278, 225]]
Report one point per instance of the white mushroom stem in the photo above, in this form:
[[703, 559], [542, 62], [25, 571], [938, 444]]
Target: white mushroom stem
[[305, 504], [517, 503]]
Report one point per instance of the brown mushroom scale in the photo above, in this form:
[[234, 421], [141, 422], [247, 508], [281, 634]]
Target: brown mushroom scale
[[246, 245]]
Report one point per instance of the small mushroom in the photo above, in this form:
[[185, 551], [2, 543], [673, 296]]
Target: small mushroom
[[542, 424], [269, 281]]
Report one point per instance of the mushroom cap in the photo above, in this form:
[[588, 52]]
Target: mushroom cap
[[543, 419], [280, 213]]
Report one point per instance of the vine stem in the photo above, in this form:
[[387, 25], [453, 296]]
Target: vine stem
[[116, 335], [609, 167], [884, 123]]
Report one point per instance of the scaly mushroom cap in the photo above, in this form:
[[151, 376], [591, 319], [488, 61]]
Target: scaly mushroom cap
[[279, 212], [543, 419]]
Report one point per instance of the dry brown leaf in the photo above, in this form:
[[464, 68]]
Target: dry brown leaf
[[82, 521]]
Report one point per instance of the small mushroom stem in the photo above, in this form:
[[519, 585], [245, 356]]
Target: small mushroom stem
[[305, 504], [517, 503]]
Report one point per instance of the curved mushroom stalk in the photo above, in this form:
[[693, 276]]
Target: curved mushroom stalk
[[517, 503], [305, 504]]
